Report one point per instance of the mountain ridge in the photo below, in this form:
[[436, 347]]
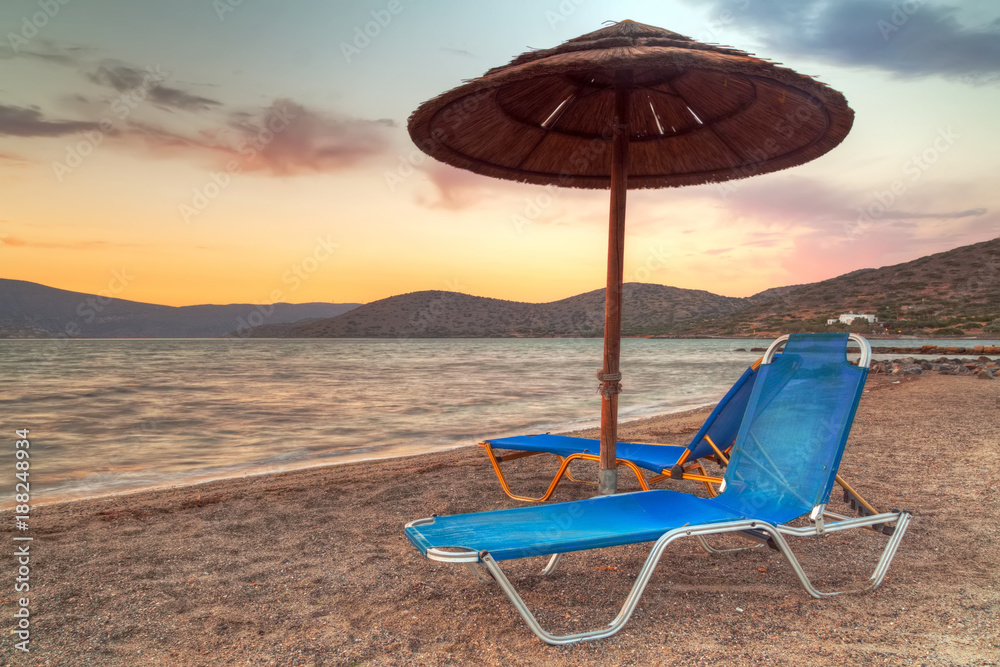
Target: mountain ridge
[[29, 309], [647, 309], [956, 290], [948, 293]]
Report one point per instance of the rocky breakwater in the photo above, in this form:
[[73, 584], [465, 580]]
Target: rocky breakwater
[[983, 367], [937, 349]]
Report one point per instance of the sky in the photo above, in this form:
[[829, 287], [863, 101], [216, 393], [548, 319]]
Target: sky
[[224, 151]]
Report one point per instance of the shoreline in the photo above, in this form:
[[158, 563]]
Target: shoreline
[[168, 486], [758, 336]]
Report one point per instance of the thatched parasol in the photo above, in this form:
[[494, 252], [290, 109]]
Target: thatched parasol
[[671, 110]]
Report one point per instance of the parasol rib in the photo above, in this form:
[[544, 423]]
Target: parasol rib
[[711, 127]]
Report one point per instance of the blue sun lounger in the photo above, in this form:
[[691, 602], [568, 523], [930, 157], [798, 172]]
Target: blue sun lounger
[[782, 468], [715, 437]]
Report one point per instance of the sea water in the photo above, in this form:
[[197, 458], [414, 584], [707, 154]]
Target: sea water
[[107, 416]]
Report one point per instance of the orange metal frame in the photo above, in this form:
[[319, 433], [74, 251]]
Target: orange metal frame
[[700, 476]]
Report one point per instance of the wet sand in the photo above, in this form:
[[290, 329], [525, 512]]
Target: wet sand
[[311, 567]]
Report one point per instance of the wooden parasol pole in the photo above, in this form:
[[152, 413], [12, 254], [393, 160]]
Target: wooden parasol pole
[[610, 375]]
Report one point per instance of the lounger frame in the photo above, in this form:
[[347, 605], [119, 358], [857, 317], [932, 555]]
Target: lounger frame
[[775, 534], [691, 471]]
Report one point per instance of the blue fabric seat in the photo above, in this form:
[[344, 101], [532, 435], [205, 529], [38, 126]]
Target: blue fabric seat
[[540, 530], [649, 456], [782, 467]]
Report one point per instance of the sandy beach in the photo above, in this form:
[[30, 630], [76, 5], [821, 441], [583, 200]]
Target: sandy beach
[[312, 568]]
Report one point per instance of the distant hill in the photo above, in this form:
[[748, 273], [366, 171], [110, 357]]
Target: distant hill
[[31, 310], [949, 293], [958, 289], [647, 309]]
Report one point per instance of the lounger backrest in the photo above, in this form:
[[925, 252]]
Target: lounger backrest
[[724, 422], [798, 417]]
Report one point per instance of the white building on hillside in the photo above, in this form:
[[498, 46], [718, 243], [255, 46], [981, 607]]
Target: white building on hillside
[[848, 318]]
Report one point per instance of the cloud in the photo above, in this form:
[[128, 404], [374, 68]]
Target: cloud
[[909, 38], [945, 215], [42, 50], [785, 201], [457, 189], [282, 139], [807, 230], [125, 78], [15, 242], [831, 212], [13, 159], [289, 139], [30, 122], [119, 76], [457, 51]]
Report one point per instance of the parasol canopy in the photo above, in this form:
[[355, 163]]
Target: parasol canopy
[[630, 106]]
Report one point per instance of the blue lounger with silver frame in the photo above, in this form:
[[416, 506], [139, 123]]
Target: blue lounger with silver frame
[[782, 468]]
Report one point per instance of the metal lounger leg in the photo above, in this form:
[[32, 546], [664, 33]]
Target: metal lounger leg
[[564, 464], [902, 520], [712, 550], [477, 571], [562, 472], [550, 567], [881, 568], [633, 597]]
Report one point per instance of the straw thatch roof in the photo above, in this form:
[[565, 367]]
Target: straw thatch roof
[[698, 113]]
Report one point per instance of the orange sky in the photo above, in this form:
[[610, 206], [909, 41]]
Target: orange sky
[[116, 142]]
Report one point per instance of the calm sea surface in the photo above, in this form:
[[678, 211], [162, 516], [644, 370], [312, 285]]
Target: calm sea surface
[[114, 415]]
